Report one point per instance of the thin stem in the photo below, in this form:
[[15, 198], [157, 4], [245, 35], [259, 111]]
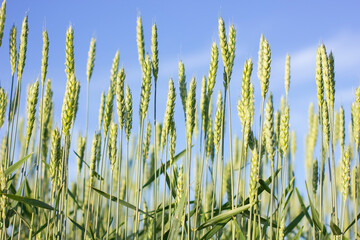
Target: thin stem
[[110, 201], [272, 199], [222, 146], [127, 185], [118, 184], [200, 179], [214, 185], [101, 182], [8, 124], [155, 162], [164, 193], [36, 195], [138, 175], [87, 212], [231, 166], [188, 187]]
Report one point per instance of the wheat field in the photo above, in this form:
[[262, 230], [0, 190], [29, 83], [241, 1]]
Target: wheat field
[[133, 182]]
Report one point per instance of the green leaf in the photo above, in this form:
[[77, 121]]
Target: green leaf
[[74, 198], [95, 173], [264, 186], [314, 213], [10, 181], [47, 166], [122, 202], [304, 209], [178, 215], [168, 182], [240, 234], [225, 215], [298, 235], [29, 201], [352, 223], [160, 170], [43, 226], [58, 198], [220, 225], [288, 198], [76, 224], [16, 165], [23, 219], [295, 222], [92, 235], [334, 228], [261, 189]]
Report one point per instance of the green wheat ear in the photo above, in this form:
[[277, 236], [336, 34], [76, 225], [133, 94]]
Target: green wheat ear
[[269, 129], [45, 56], [3, 149], [182, 85], [147, 142], [3, 104], [23, 47], [114, 70], [180, 185], [91, 59], [140, 41], [154, 52], [319, 78], [218, 121], [264, 65], [128, 112], [210, 147], [345, 172], [224, 45], [190, 110], [81, 151], [112, 145], [331, 80], [55, 154], [287, 74], [254, 175], [46, 115], [2, 20], [93, 158], [169, 114], [77, 95], [68, 107], [244, 104], [101, 109], [342, 127], [120, 99], [145, 88], [33, 94], [325, 72], [315, 176], [69, 52], [284, 130], [231, 46], [13, 51], [326, 124], [109, 106], [172, 142], [213, 69], [204, 102]]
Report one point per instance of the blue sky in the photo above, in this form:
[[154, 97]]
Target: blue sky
[[186, 30]]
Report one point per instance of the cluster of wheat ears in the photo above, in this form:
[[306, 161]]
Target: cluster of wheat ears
[[139, 187]]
